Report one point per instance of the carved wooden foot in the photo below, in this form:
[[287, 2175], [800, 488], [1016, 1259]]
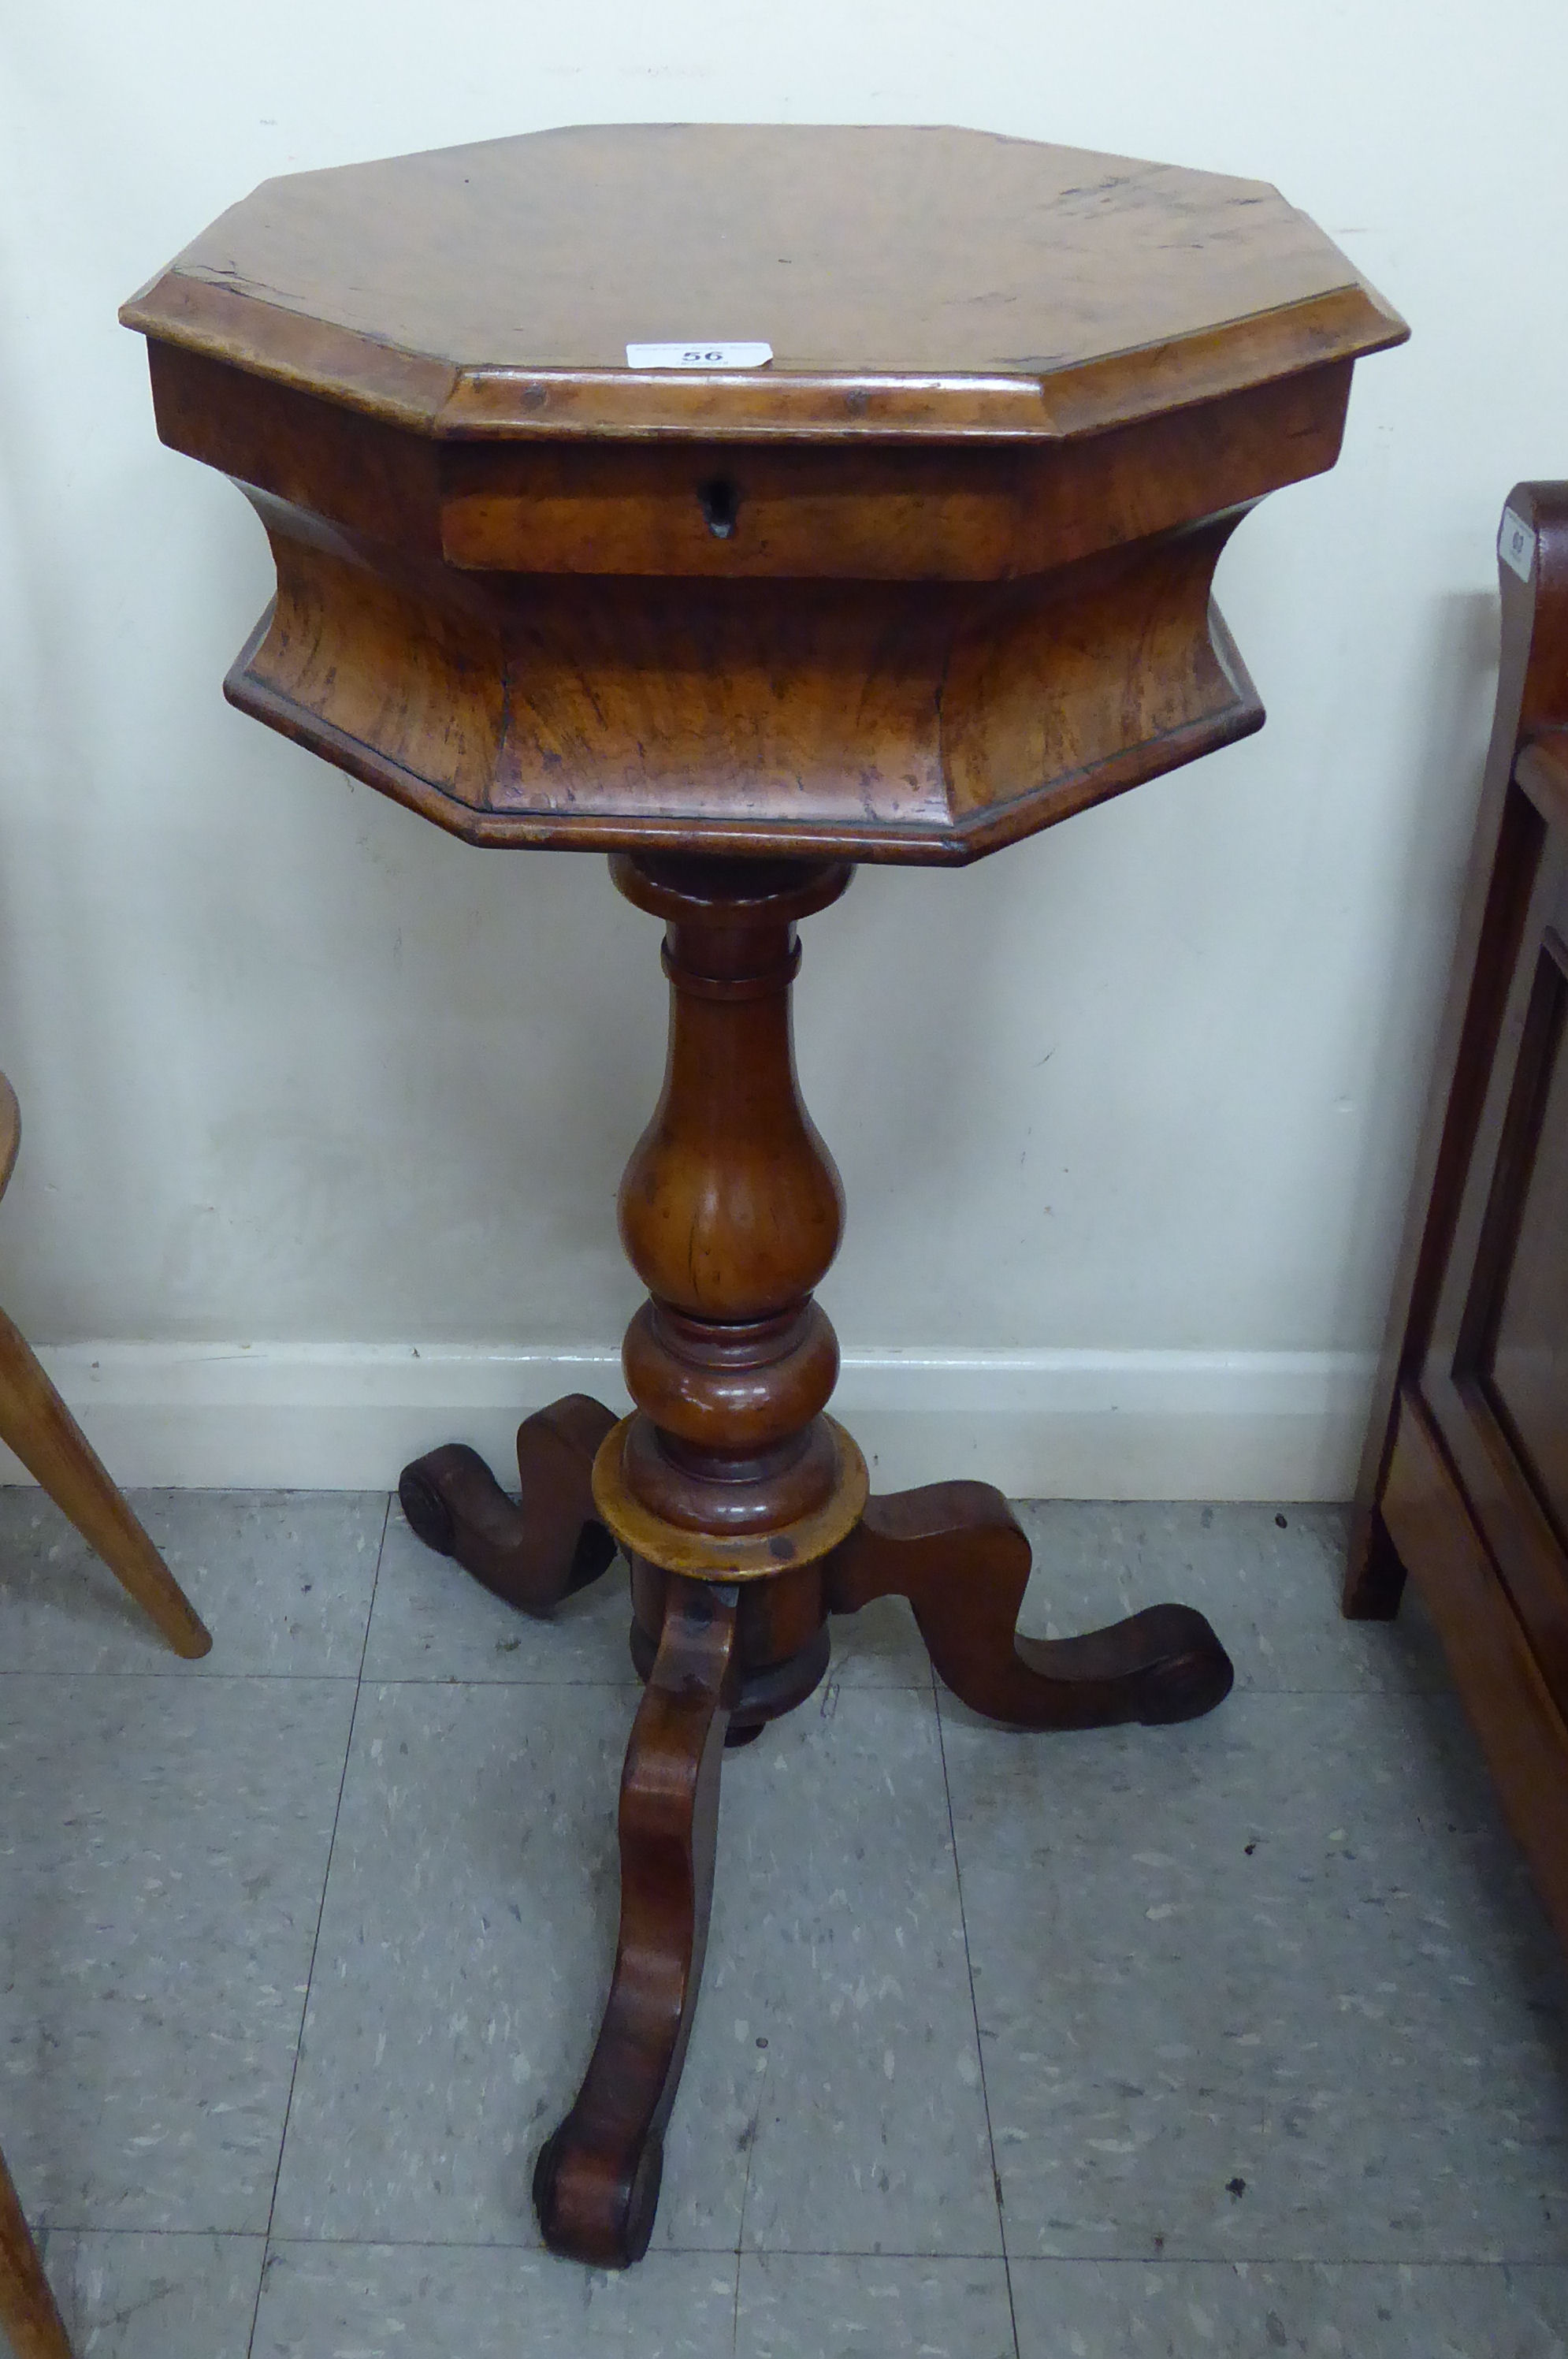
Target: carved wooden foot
[[531, 1554], [27, 2311], [956, 1551], [597, 2181]]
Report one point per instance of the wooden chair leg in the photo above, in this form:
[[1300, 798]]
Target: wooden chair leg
[[36, 1423], [27, 2311]]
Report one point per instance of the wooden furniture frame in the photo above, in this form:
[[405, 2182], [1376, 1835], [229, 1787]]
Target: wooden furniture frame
[[36, 1423], [29, 2315], [1463, 1482], [937, 577]]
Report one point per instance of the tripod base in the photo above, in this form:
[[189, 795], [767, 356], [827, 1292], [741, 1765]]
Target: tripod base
[[720, 1658]]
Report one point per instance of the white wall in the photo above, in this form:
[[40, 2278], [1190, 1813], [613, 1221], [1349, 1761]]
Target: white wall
[[1124, 1114]]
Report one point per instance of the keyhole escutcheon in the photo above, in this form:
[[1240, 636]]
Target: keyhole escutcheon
[[720, 504]]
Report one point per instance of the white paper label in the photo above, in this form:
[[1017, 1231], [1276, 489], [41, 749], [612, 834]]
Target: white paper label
[[698, 356], [1516, 544]]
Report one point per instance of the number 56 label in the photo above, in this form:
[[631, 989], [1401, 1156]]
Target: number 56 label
[[698, 356]]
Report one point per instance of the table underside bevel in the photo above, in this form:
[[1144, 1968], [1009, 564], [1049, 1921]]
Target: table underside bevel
[[874, 722]]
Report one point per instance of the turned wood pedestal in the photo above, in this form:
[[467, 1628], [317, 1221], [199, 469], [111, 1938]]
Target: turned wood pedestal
[[933, 575]]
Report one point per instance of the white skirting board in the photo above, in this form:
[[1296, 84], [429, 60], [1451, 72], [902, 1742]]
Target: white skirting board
[[1041, 1424]]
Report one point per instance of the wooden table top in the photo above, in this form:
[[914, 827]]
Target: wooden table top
[[911, 282]]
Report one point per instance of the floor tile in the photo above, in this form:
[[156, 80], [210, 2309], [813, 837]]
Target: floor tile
[[433, 1621], [1273, 1984], [156, 2296], [163, 1849], [831, 2088], [1267, 1578], [879, 1648], [430, 2301], [282, 1578], [1126, 2310], [466, 1942], [1276, 2039], [835, 2039], [800, 2306]]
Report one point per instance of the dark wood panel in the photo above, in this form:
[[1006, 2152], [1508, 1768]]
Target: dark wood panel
[[1456, 1378], [1526, 1363], [1542, 772], [1521, 1728], [1532, 696], [1464, 1479]]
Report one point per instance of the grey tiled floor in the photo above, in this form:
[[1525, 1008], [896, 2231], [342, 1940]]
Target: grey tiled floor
[[1242, 2038]]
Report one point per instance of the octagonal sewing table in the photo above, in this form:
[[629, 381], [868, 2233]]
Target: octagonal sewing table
[[746, 503]]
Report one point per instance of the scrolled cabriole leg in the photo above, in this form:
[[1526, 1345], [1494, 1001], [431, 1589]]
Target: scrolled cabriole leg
[[958, 1553], [530, 1553], [596, 2184]]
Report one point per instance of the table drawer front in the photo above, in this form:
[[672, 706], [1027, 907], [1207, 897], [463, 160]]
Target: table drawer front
[[952, 512]]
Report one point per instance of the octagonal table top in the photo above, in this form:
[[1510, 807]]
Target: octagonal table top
[[928, 282]]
